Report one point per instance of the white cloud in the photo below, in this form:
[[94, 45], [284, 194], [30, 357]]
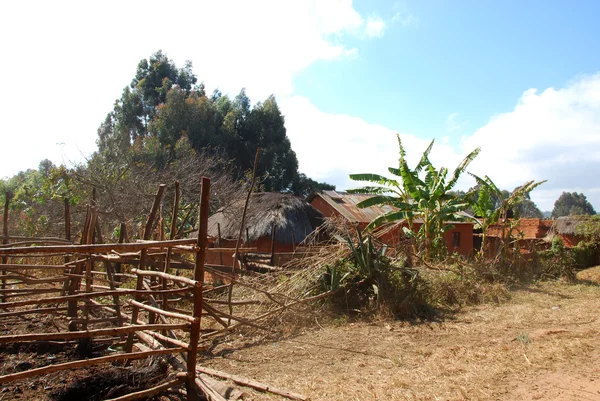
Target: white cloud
[[405, 19], [65, 62], [553, 135], [375, 27], [452, 123], [331, 146]]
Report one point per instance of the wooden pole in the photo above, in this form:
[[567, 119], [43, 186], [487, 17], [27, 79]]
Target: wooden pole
[[199, 277], [67, 259], [73, 283], [273, 232], [219, 244], [89, 264], [7, 197], [237, 245], [142, 265], [122, 236], [153, 212], [172, 233]]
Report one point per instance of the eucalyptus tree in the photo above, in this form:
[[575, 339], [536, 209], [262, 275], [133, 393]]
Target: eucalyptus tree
[[428, 200]]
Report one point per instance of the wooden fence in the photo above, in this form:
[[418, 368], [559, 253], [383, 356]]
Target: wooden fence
[[147, 297]]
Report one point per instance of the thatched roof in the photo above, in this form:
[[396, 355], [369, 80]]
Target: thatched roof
[[293, 217], [568, 225]]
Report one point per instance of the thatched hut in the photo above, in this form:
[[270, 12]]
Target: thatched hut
[[566, 228], [293, 218]]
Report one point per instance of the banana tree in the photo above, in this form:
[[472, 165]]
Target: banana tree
[[427, 199], [392, 191], [489, 212]]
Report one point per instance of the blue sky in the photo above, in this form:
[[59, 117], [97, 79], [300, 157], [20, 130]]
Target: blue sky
[[474, 58], [518, 78]]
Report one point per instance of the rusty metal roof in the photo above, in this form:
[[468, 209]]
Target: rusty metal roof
[[346, 205]]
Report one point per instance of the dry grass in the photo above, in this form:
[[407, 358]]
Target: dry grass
[[590, 275], [542, 344]]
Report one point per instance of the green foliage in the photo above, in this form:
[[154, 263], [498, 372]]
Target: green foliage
[[589, 229], [37, 199], [304, 186], [493, 205], [429, 199], [528, 209], [556, 262], [369, 281], [163, 104], [572, 204]]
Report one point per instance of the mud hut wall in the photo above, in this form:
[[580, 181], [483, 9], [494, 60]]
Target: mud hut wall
[[464, 231], [570, 240], [393, 236]]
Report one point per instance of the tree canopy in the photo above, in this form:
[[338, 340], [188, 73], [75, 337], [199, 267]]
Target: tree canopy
[[572, 204], [164, 103]]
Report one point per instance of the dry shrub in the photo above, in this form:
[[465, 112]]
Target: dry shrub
[[446, 289]]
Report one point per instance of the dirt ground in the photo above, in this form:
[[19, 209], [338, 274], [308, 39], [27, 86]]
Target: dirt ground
[[542, 344]]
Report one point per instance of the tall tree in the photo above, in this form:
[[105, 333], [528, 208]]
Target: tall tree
[[164, 104], [572, 204], [528, 209]]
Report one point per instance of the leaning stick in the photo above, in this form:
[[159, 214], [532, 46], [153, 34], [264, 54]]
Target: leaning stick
[[267, 314], [236, 255], [96, 248], [205, 388], [149, 392], [30, 311], [14, 266], [167, 276], [26, 294], [174, 315], [252, 383], [26, 280], [212, 311], [67, 298], [111, 331], [83, 363], [169, 340]]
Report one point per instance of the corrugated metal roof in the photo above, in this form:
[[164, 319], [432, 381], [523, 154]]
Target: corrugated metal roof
[[346, 205]]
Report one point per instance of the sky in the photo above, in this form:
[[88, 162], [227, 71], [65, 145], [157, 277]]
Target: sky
[[519, 79]]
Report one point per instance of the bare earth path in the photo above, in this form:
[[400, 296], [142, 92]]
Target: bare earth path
[[543, 344]]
